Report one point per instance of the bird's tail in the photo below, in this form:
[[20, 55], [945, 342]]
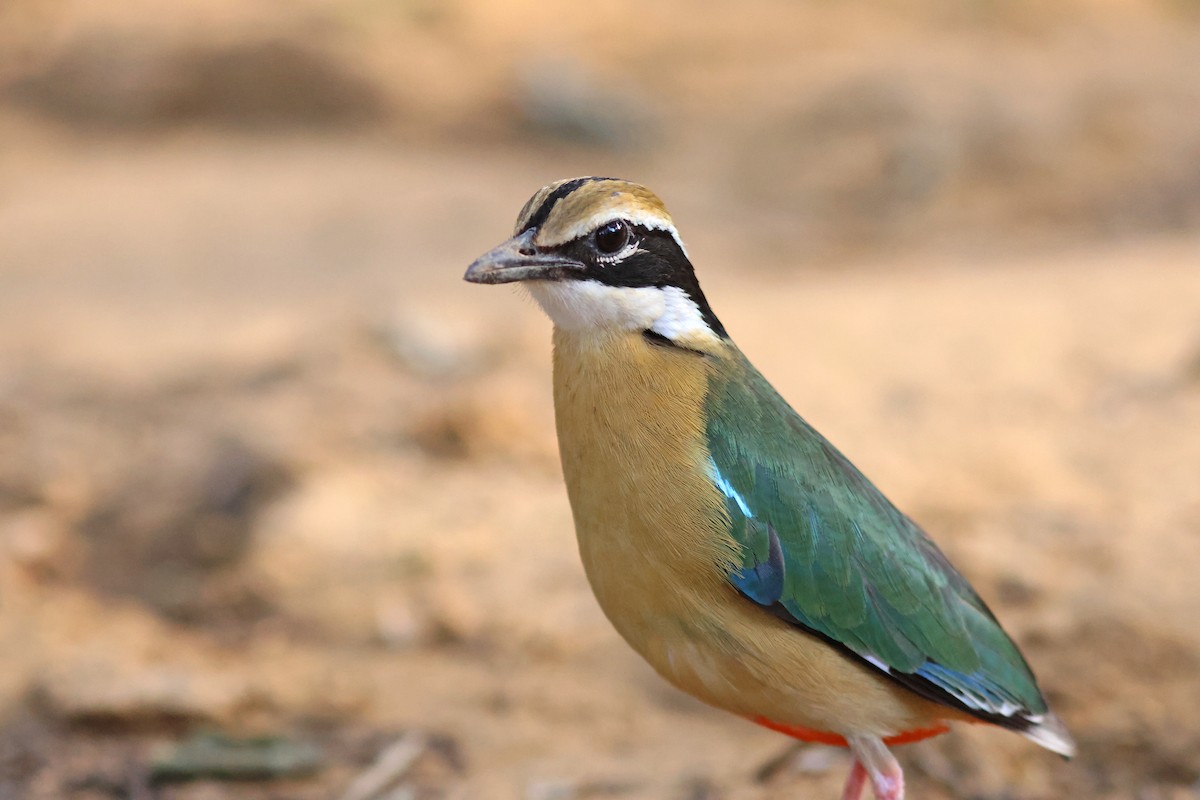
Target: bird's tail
[[1050, 732]]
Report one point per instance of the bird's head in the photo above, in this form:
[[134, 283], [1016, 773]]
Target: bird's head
[[602, 255]]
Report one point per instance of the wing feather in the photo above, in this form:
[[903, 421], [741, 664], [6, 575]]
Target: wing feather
[[821, 547]]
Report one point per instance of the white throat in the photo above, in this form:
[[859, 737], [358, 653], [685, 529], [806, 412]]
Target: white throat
[[583, 306]]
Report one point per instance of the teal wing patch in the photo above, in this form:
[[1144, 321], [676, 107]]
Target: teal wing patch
[[821, 547]]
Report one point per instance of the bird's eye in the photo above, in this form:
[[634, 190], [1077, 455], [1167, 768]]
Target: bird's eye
[[612, 237]]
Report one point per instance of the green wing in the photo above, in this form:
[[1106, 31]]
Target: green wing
[[821, 547]]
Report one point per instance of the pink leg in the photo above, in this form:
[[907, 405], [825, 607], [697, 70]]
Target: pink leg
[[874, 759], [854, 783]]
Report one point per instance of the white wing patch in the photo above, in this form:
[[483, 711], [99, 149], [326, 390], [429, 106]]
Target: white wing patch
[[1004, 709]]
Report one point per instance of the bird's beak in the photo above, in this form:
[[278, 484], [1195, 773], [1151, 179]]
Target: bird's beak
[[519, 259]]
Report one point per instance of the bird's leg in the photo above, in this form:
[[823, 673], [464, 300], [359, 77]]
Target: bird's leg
[[854, 783], [872, 757]]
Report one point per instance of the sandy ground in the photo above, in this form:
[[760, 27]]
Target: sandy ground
[[268, 466]]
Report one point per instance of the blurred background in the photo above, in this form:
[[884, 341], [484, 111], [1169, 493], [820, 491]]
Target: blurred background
[[280, 507]]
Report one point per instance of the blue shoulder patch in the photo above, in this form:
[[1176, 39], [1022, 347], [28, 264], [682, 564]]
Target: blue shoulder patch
[[762, 581]]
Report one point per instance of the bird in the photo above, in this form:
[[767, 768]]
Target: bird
[[728, 542]]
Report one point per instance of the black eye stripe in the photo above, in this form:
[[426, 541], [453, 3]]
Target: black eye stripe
[[659, 261]]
